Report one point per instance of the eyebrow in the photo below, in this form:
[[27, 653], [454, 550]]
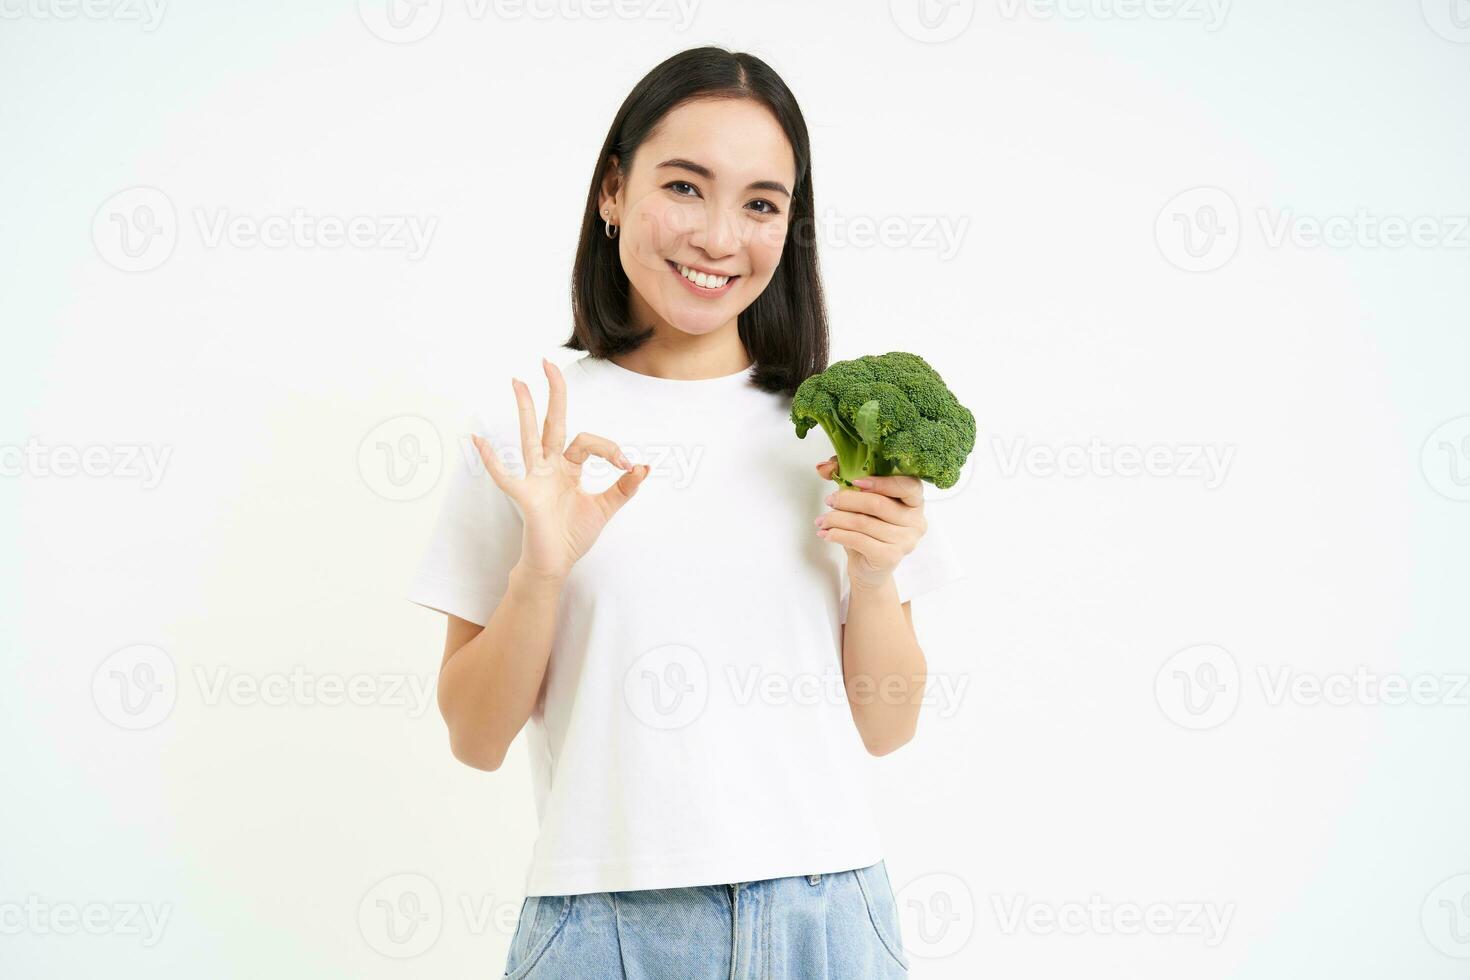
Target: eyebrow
[[708, 174]]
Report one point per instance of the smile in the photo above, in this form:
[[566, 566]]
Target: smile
[[701, 282]]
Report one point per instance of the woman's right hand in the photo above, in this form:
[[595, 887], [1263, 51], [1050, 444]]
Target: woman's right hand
[[561, 519]]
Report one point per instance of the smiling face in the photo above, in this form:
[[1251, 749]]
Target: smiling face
[[708, 193]]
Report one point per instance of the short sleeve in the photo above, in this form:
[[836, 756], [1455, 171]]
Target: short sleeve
[[476, 539], [933, 562]]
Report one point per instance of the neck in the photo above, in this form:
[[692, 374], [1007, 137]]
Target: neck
[[689, 358]]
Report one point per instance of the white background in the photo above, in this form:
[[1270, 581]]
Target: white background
[[1078, 301]]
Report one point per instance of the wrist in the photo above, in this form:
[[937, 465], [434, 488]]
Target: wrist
[[535, 579], [870, 582]]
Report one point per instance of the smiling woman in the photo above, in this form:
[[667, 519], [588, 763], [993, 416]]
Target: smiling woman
[[701, 814], [719, 238], [701, 182]]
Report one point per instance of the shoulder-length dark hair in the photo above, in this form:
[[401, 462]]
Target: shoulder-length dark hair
[[785, 329]]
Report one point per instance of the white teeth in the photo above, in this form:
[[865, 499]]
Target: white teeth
[[700, 279]]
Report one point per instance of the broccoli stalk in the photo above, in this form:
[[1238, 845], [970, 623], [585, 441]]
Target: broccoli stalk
[[885, 414], [856, 444]]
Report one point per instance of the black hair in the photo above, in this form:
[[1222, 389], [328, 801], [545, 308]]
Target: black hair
[[785, 329]]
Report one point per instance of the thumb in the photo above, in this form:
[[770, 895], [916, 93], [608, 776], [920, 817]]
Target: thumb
[[615, 496]]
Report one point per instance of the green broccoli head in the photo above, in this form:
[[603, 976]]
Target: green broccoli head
[[886, 414]]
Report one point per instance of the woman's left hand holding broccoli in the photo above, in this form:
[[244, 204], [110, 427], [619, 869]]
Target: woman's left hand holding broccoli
[[878, 524]]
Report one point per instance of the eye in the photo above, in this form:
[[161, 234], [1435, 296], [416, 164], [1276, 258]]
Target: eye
[[675, 184]]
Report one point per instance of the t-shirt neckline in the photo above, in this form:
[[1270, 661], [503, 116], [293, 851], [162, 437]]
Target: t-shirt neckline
[[672, 386]]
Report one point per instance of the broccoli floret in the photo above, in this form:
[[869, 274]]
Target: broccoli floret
[[886, 414]]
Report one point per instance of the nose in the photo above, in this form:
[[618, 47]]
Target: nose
[[716, 236]]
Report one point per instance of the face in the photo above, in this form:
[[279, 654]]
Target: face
[[709, 192]]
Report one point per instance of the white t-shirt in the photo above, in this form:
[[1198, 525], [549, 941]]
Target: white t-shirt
[[693, 728]]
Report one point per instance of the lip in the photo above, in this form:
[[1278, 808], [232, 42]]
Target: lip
[[700, 290]]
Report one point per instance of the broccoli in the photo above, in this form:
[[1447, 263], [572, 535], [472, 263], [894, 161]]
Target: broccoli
[[887, 414]]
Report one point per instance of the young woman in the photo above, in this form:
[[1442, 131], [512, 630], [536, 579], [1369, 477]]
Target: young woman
[[699, 681]]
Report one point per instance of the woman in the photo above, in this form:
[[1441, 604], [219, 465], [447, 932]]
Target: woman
[[696, 711]]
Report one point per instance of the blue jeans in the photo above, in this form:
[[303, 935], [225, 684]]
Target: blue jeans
[[841, 926]]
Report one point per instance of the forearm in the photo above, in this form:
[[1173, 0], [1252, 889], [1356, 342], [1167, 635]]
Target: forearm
[[488, 687], [882, 666]]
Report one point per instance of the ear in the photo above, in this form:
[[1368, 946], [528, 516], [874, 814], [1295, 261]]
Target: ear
[[612, 182]]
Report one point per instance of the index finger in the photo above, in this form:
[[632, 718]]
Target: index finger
[[556, 410], [906, 489], [526, 408]]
